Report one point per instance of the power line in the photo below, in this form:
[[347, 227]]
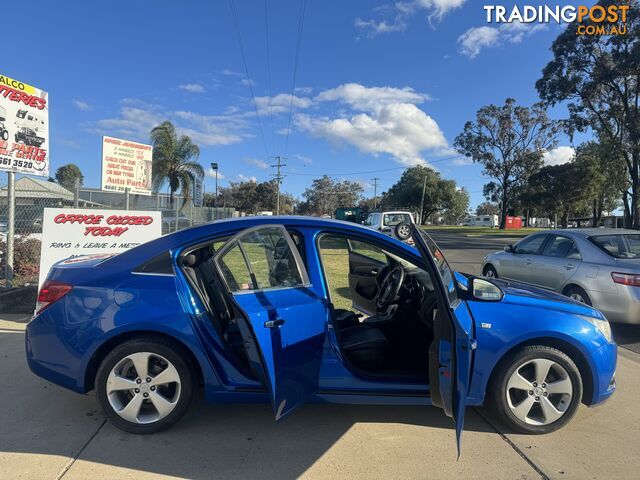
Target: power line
[[303, 6], [365, 172], [266, 29], [278, 176], [234, 14]]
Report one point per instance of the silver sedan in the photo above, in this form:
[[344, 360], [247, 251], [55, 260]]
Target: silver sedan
[[599, 267]]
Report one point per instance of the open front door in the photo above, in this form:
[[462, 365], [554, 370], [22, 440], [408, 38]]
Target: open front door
[[265, 275], [451, 350]]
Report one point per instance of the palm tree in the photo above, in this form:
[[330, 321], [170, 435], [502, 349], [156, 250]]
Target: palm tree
[[173, 161]]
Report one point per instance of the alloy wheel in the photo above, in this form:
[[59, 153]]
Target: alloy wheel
[[577, 297], [539, 391], [404, 230], [143, 387], [489, 273]]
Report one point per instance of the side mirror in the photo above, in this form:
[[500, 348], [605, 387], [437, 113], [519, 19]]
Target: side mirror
[[509, 248], [486, 291]]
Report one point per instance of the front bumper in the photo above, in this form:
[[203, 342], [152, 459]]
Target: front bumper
[[605, 360]]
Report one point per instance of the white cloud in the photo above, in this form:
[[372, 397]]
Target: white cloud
[[244, 178], [370, 98], [231, 73], [304, 159], [212, 173], [393, 17], [81, 105], [559, 155], [67, 142], [136, 119], [192, 88], [256, 162], [401, 130], [281, 103], [476, 38]]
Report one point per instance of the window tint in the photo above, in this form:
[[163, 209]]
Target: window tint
[[159, 265], [619, 246], [392, 219], [530, 245], [235, 270], [270, 258], [368, 250], [561, 247]]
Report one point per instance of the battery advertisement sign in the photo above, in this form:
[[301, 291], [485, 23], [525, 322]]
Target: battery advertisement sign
[[126, 164], [24, 128]]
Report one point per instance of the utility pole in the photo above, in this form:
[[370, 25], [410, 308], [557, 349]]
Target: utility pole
[[424, 187], [375, 191], [278, 176]]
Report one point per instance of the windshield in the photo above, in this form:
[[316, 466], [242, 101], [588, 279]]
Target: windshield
[[444, 270], [369, 220], [392, 219], [618, 246]]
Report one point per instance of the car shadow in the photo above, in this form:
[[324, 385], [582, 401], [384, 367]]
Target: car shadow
[[220, 440]]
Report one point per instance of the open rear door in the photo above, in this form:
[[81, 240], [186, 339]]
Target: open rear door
[[451, 350], [265, 275]]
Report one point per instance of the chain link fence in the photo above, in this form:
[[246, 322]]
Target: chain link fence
[[33, 195]]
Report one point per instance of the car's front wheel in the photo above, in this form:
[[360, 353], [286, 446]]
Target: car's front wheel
[[490, 272], [144, 385], [536, 390]]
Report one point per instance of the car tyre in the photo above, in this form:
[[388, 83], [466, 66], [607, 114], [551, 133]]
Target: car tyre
[[490, 272], [561, 389], [578, 294], [121, 391], [403, 231]]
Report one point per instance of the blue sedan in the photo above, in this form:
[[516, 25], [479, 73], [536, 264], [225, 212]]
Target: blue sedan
[[290, 310]]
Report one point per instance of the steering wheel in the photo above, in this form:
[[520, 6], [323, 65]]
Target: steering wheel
[[390, 287]]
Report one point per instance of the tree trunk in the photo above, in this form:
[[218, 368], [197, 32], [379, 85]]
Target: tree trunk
[[503, 218], [627, 210], [565, 218], [635, 193]]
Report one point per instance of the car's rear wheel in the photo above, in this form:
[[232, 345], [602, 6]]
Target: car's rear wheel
[[536, 390], [489, 271], [578, 294], [144, 385]]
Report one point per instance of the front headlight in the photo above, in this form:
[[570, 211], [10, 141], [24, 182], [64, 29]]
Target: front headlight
[[601, 324]]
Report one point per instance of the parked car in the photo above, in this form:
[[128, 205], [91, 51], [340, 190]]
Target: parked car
[[595, 266], [392, 223], [245, 308], [481, 221]]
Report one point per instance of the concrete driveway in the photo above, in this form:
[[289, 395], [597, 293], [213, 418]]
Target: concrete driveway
[[50, 433]]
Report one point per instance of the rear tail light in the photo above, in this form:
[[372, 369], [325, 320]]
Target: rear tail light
[[626, 279], [51, 292]]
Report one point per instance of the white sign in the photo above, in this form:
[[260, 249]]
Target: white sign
[[125, 165], [68, 232], [24, 128]]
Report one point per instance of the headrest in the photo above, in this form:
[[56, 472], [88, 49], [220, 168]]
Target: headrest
[[189, 260]]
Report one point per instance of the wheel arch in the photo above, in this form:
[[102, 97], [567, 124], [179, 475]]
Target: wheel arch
[[108, 345], [571, 284], [565, 346]]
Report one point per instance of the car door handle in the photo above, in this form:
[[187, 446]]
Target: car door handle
[[274, 323], [569, 266]]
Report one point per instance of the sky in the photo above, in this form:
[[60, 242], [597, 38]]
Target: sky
[[379, 86]]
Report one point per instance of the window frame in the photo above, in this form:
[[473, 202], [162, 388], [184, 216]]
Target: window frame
[[545, 237], [235, 239], [549, 241]]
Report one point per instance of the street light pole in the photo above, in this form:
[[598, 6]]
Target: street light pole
[[214, 167]]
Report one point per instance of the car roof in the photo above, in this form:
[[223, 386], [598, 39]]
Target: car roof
[[589, 232], [232, 226]]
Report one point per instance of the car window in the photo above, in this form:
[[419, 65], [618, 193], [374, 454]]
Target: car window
[[392, 219], [369, 221], [368, 250], [235, 270], [618, 246], [260, 259], [530, 245], [561, 247], [444, 270]]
